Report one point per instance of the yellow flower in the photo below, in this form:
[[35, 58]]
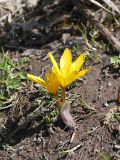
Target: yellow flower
[[68, 71], [51, 83]]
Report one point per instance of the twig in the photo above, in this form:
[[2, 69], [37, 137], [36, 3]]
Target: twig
[[73, 136], [102, 29], [94, 128], [71, 151], [86, 105]]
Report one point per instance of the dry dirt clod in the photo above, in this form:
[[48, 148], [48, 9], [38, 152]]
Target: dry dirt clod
[[118, 99]]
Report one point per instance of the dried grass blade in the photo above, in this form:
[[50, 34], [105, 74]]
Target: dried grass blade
[[100, 5], [111, 5]]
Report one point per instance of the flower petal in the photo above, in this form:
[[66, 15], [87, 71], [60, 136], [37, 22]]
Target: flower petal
[[38, 80], [71, 78], [60, 78], [65, 63], [53, 83], [82, 72], [75, 75], [56, 68], [78, 63]]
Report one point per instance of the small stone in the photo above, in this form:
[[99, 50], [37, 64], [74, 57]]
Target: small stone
[[105, 104], [109, 84]]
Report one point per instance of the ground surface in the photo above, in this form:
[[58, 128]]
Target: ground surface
[[24, 136]]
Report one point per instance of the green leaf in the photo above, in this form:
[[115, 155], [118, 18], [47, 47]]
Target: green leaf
[[13, 84], [23, 62], [6, 62], [115, 60], [106, 156], [23, 76], [117, 116], [2, 98]]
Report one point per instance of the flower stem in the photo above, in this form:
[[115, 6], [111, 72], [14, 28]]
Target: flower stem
[[56, 97]]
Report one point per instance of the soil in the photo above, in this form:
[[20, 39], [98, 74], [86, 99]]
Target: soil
[[24, 135]]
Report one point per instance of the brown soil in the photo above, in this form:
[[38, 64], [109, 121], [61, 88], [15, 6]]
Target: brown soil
[[24, 136]]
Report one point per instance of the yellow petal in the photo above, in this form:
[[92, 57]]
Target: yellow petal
[[37, 79], [82, 72], [53, 82], [65, 63], [56, 69], [55, 66], [52, 79], [75, 75], [71, 78], [78, 63], [60, 78]]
